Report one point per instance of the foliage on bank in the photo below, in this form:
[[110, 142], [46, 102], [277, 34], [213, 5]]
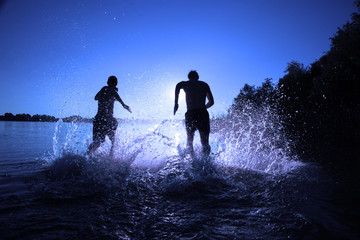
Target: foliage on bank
[[318, 105]]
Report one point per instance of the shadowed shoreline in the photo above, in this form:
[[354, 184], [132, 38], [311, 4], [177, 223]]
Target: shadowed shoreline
[[41, 118]]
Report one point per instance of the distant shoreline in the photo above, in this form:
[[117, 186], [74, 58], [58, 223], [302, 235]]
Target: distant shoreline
[[41, 118], [9, 117]]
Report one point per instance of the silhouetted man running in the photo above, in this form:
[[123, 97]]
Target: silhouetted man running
[[104, 123], [197, 116]]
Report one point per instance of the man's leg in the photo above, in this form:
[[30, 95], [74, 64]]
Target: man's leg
[[98, 137], [204, 130], [93, 146], [204, 138], [190, 139], [111, 134], [190, 131]]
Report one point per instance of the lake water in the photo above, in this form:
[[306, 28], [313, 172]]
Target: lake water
[[249, 187]]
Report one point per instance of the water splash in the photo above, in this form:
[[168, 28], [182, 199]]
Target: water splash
[[250, 140], [253, 139], [71, 138]]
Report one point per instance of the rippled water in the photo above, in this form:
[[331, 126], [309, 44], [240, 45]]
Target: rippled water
[[249, 187]]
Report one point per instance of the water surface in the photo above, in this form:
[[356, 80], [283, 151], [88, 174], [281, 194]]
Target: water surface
[[152, 189]]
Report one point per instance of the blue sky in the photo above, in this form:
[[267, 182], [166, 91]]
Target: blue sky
[[56, 55]]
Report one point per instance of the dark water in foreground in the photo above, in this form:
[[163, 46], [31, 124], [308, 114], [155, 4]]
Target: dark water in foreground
[[151, 189]]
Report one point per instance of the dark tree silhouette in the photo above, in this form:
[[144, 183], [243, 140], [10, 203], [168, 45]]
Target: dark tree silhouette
[[319, 105]]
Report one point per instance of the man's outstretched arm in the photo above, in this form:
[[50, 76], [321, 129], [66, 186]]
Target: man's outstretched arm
[[177, 91], [122, 103], [210, 99]]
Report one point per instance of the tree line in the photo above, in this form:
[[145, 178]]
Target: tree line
[[318, 105], [41, 118]]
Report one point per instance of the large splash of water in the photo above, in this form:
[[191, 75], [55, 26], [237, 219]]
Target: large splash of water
[[253, 139], [249, 140]]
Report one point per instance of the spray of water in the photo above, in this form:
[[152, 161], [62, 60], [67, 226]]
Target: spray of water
[[70, 138], [251, 139]]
